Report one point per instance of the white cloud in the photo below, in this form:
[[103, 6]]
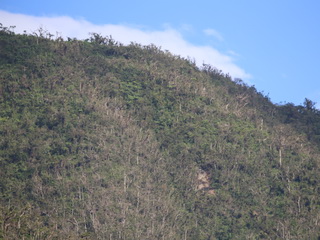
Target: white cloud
[[169, 38], [233, 53], [214, 33]]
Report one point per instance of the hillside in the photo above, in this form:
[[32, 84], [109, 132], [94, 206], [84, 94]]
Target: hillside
[[105, 141]]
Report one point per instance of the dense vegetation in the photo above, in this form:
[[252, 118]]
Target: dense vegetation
[[105, 141]]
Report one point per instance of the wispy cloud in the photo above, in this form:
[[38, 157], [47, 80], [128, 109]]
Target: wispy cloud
[[168, 38], [233, 53], [214, 33], [187, 27]]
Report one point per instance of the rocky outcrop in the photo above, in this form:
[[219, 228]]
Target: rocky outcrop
[[203, 182]]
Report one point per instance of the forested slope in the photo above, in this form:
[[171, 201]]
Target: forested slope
[[105, 141]]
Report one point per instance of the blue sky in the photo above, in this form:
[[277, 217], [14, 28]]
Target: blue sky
[[273, 45]]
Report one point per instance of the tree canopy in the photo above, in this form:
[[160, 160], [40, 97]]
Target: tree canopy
[[105, 141]]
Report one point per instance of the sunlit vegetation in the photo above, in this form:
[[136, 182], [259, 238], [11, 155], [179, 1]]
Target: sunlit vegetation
[[105, 141]]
